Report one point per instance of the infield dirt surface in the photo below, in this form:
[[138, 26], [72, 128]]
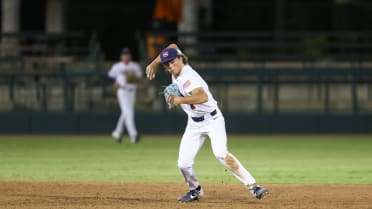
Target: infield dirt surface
[[61, 195]]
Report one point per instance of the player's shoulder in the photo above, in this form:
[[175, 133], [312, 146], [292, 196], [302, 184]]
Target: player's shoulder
[[187, 70], [190, 72], [130, 64], [117, 64], [188, 66]]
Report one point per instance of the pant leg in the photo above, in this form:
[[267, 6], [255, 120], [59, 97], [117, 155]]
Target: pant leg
[[129, 109], [119, 129], [192, 141], [217, 135]]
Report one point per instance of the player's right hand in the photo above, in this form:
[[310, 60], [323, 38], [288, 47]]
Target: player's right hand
[[150, 72]]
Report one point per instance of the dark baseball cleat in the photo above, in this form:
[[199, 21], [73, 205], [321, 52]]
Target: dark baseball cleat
[[118, 140], [117, 137], [192, 195], [259, 192], [137, 139]]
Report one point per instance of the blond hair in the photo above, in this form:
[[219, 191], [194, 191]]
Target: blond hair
[[185, 59]]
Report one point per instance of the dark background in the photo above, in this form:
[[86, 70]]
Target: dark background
[[116, 21]]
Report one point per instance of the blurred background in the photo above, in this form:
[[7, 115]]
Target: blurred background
[[274, 66]]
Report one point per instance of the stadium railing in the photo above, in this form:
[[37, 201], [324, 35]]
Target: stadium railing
[[265, 46], [35, 69], [35, 50], [272, 60]]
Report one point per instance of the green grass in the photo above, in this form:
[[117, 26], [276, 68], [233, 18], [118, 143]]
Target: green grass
[[271, 159]]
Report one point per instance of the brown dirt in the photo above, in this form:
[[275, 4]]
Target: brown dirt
[[57, 195]]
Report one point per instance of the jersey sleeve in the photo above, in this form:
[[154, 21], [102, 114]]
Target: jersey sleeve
[[190, 84], [113, 72]]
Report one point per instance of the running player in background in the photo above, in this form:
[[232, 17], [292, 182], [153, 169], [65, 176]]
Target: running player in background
[[125, 75], [204, 120]]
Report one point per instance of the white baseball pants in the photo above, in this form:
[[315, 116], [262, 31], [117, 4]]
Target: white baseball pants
[[127, 99], [192, 141]]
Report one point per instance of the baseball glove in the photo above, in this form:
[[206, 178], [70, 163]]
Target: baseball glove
[[131, 77], [170, 92]]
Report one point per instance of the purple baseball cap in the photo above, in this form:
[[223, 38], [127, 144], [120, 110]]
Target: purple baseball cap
[[169, 54], [125, 50]]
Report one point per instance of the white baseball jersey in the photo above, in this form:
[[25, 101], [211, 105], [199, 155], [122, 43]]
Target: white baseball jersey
[[189, 80], [119, 71]]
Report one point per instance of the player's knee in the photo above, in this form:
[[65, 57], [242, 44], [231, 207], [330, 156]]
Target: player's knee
[[184, 165], [221, 155]]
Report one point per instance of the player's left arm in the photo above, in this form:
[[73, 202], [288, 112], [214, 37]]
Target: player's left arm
[[198, 96]]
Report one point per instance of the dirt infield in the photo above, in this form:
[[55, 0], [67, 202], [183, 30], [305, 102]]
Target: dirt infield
[[14, 195]]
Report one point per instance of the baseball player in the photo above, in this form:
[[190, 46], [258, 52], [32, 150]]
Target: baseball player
[[204, 120], [125, 75]]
